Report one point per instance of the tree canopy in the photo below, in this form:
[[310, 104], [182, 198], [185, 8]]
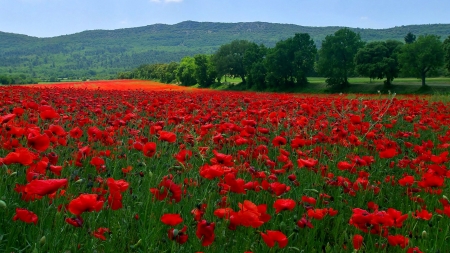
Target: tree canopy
[[379, 60], [422, 56], [336, 57]]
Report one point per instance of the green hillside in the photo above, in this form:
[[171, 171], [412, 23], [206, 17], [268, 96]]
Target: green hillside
[[103, 53]]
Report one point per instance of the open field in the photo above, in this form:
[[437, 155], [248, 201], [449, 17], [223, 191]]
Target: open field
[[137, 166]]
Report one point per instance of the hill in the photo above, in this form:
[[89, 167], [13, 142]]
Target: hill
[[103, 53]]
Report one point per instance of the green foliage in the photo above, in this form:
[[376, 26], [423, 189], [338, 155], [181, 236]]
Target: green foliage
[[379, 60], [229, 58], [410, 38], [104, 53], [422, 56], [336, 57], [254, 62], [17, 79], [163, 72], [447, 53], [185, 72], [204, 72], [290, 61]]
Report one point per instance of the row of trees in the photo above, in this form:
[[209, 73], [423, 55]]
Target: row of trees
[[291, 61]]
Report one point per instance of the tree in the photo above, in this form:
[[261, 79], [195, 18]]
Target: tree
[[291, 60], [229, 58], [254, 64], [185, 71], [336, 57], [410, 38], [422, 56], [379, 60], [204, 70], [447, 53]]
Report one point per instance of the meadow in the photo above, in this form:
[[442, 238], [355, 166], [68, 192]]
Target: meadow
[[137, 166]]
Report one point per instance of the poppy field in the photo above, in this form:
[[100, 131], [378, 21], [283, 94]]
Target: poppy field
[[118, 167]]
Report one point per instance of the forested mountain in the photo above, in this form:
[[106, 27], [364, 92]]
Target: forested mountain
[[103, 53]]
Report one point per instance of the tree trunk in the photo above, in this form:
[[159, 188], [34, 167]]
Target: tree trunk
[[423, 78]]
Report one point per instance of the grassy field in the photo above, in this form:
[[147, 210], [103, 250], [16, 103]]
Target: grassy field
[[438, 85]]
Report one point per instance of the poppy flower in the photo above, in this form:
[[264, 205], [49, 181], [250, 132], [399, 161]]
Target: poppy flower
[[211, 171], [388, 153], [205, 232], [6, 118], [180, 236], [358, 241], [76, 133], [398, 240], [85, 203], [303, 222], [183, 156], [21, 155], [76, 222], [279, 141], [100, 233], [222, 159], [422, 214], [167, 136], [283, 204], [171, 219], [272, 236], [25, 216], [45, 187], [49, 114], [149, 149], [39, 142], [165, 187]]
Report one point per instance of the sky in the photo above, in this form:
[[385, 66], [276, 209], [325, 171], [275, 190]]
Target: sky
[[49, 18]]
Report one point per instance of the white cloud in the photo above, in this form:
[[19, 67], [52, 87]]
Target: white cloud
[[364, 18], [166, 1]]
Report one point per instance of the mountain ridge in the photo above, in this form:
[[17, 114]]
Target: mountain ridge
[[103, 53]]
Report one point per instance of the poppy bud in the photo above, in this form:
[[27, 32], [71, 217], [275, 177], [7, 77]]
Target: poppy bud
[[175, 232], [79, 180], [2, 204], [445, 197], [13, 174], [35, 250], [42, 240], [424, 234]]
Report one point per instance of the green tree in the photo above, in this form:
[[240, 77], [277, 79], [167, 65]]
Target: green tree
[[379, 60], [254, 64], [447, 53], [422, 56], [204, 70], [410, 38], [229, 59], [336, 57], [291, 60], [186, 71]]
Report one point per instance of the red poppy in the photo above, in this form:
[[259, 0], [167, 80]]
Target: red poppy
[[39, 142], [167, 136], [149, 149], [21, 155], [45, 187], [49, 114], [85, 203], [422, 214], [303, 222], [76, 133], [222, 159], [211, 171], [358, 241], [6, 118], [25, 216], [279, 141], [100, 233], [183, 156], [283, 204], [76, 222], [398, 240], [205, 232], [388, 153], [165, 187], [272, 236], [180, 236], [171, 219]]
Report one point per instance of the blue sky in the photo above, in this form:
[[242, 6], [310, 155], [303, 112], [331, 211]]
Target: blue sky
[[48, 18]]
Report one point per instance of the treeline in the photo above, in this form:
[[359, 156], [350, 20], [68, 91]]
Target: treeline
[[289, 63], [17, 79]]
